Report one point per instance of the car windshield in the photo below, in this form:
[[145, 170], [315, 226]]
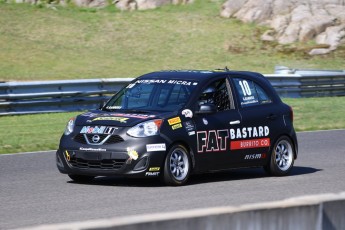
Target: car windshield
[[152, 95]]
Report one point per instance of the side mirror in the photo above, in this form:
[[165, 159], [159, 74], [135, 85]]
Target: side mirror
[[206, 109]]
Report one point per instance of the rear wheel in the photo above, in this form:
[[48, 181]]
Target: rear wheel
[[177, 166], [282, 157], [81, 178]]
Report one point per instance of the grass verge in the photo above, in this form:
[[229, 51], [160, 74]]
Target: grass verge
[[42, 131], [39, 43]]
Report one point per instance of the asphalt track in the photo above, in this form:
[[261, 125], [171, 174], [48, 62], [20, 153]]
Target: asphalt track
[[33, 192]]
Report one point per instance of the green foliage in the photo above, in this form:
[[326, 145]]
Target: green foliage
[[70, 42]]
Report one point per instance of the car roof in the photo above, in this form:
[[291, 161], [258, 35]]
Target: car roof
[[199, 75], [203, 76]]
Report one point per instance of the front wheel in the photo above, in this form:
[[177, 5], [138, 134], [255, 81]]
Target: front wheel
[[177, 166], [282, 157], [81, 178]]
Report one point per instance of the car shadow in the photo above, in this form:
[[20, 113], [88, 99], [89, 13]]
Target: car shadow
[[226, 175], [244, 174]]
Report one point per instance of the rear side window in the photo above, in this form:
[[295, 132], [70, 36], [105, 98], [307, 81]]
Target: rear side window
[[263, 96], [250, 93]]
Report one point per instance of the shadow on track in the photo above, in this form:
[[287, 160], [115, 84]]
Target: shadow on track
[[227, 175]]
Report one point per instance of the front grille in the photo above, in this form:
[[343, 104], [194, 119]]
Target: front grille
[[97, 164], [113, 139], [80, 139]]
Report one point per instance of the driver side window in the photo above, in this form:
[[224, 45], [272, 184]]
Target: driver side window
[[217, 93]]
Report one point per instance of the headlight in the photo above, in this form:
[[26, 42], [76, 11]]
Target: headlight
[[145, 129], [70, 126]]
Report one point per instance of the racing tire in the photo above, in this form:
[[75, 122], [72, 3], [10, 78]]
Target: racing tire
[[177, 166], [81, 178], [282, 157]]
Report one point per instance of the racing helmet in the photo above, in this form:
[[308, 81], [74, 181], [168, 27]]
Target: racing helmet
[[208, 94]]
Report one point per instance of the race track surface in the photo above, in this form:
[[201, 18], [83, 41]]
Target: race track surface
[[33, 192]]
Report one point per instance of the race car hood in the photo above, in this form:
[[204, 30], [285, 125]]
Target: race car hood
[[120, 119]]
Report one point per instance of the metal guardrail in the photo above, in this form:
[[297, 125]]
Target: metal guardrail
[[56, 96], [77, 95], [296, 85]]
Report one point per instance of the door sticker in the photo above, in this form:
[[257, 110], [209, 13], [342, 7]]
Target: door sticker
[[250, 144]]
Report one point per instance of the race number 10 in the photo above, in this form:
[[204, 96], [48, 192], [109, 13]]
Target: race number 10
[[245, 88]]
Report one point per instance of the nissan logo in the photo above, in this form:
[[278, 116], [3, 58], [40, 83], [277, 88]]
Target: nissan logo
[[95, 138]]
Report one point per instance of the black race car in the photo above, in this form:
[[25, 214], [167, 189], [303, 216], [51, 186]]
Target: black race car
[[171, 124]]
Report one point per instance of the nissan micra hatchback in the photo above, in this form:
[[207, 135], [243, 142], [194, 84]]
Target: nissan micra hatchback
[[171, 124]]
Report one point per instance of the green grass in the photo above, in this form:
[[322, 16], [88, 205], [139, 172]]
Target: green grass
[[43, 131], [38, 43], [26, 133], [318, 113]]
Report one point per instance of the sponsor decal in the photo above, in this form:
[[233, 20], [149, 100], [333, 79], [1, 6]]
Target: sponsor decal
[[177, 126], [97, 130], [127, 115], [174, 120], [155, 147], [130, 86], [113, 107], [212, 141], [217, 140], [109, 130], [249, 132], [133, 155], [132, 115], [191, 133], [158, 81], [152, 173], [249, 102], [205, 121], [250, 144], [255, 156], [68, 156], [187, 113], [92, 149], [189, 126], [247, 98], [120, 119], [154, 169], [93, 129]]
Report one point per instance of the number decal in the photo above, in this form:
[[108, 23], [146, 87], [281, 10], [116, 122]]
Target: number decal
[[245, 88]]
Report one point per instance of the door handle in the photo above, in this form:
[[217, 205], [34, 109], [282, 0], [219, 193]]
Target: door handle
[[272, 116], [235, 122]]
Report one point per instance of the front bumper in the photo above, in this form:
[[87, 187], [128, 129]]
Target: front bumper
[[108, 163], [117, 159]]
